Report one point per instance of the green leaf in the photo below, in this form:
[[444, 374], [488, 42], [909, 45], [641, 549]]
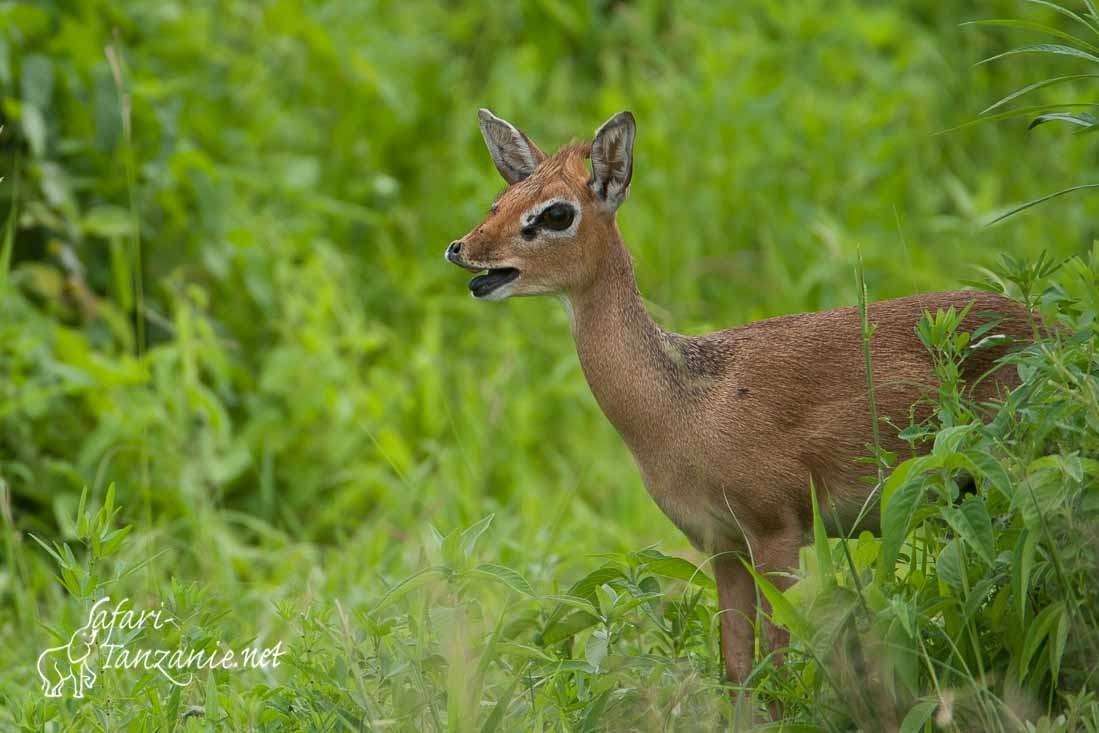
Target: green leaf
[[1046, 48], [918, 716], [567, 627], [972, 523], [112, 541], [1021, 112], [505, 575], [36, 84], [900, 476], [585, 587], [496, 717], [1036, 634], [896, 520], [680, 569], [991, 470], [568, 601], [409, 584], [1069, 13], [595, 651], [1035, 202], [1032, 26], [949, 440], [1057, 648], [783, 613], [472, 534], [451, 550], [213, 710], [1021, 567], [108, 222], [1083, 119], [950, 567], [34, 127]]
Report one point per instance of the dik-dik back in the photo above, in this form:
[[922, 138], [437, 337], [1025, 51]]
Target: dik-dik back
[[729, 428], [784, 400]]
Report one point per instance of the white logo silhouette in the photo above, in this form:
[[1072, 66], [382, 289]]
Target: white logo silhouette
[[59, 664]]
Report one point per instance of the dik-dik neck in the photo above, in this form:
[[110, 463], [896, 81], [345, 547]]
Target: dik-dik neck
[[631, 364]]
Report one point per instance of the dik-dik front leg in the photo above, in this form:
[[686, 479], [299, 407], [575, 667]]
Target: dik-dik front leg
[[736, 596], [736, 593]]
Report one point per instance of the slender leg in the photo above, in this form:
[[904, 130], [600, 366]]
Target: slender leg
[[736, 595], [777, 555], [736, 592]]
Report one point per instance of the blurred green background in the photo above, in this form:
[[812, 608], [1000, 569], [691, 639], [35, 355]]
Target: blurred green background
[[300, 363]]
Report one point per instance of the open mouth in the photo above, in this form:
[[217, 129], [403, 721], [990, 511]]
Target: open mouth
[[493, 279]]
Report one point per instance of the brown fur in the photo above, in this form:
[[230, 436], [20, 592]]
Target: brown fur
[[729, 427]]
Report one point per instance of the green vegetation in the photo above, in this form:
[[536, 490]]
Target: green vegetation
[[238, 381]]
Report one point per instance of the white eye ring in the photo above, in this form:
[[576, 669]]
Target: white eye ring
[[530, 216]]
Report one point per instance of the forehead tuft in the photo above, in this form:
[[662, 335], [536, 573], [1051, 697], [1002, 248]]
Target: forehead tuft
[[561, 173]]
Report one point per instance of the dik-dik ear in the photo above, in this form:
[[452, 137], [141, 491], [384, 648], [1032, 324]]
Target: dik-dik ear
[[612, 160], [516, 156]]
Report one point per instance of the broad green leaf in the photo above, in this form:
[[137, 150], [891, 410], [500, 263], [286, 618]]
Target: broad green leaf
[[992, 470], [595, 651], [896, 521], [568, 626], [496, 717], [783, 613], [1057, 647], [108, 222], [585, 587], [472, 534], [948, 440], [570, 601], [971, 522], [409, 584], [1037, 633], [505, 575], [36, 84], [918, 715], [680, 569], [951, 567]]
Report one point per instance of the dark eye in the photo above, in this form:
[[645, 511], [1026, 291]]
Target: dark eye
[[557, 217]]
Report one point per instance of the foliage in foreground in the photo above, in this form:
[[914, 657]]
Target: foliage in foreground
[[975, 610]]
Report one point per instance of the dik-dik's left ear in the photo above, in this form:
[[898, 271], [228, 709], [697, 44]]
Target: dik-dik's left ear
[[612, 160], [516, 156]]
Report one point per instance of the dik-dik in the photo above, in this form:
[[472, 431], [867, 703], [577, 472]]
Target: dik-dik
[[729, 429]]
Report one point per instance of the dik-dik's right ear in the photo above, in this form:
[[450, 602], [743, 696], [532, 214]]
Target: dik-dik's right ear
[[612, 160], [516, 156]]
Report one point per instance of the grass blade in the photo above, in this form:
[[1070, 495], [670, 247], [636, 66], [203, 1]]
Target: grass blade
[[1043, 199], [1039, 27], [1034, 87], [1047, 48], [1083, 119], [1071, 14], [1021, 112]]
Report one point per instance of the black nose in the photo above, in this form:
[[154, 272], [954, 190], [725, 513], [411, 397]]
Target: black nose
[[454, 248]]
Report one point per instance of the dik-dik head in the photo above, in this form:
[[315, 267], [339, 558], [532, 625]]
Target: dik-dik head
[[549, 230]]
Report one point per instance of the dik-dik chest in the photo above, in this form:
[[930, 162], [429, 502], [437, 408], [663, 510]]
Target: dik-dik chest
[[693, 496]]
